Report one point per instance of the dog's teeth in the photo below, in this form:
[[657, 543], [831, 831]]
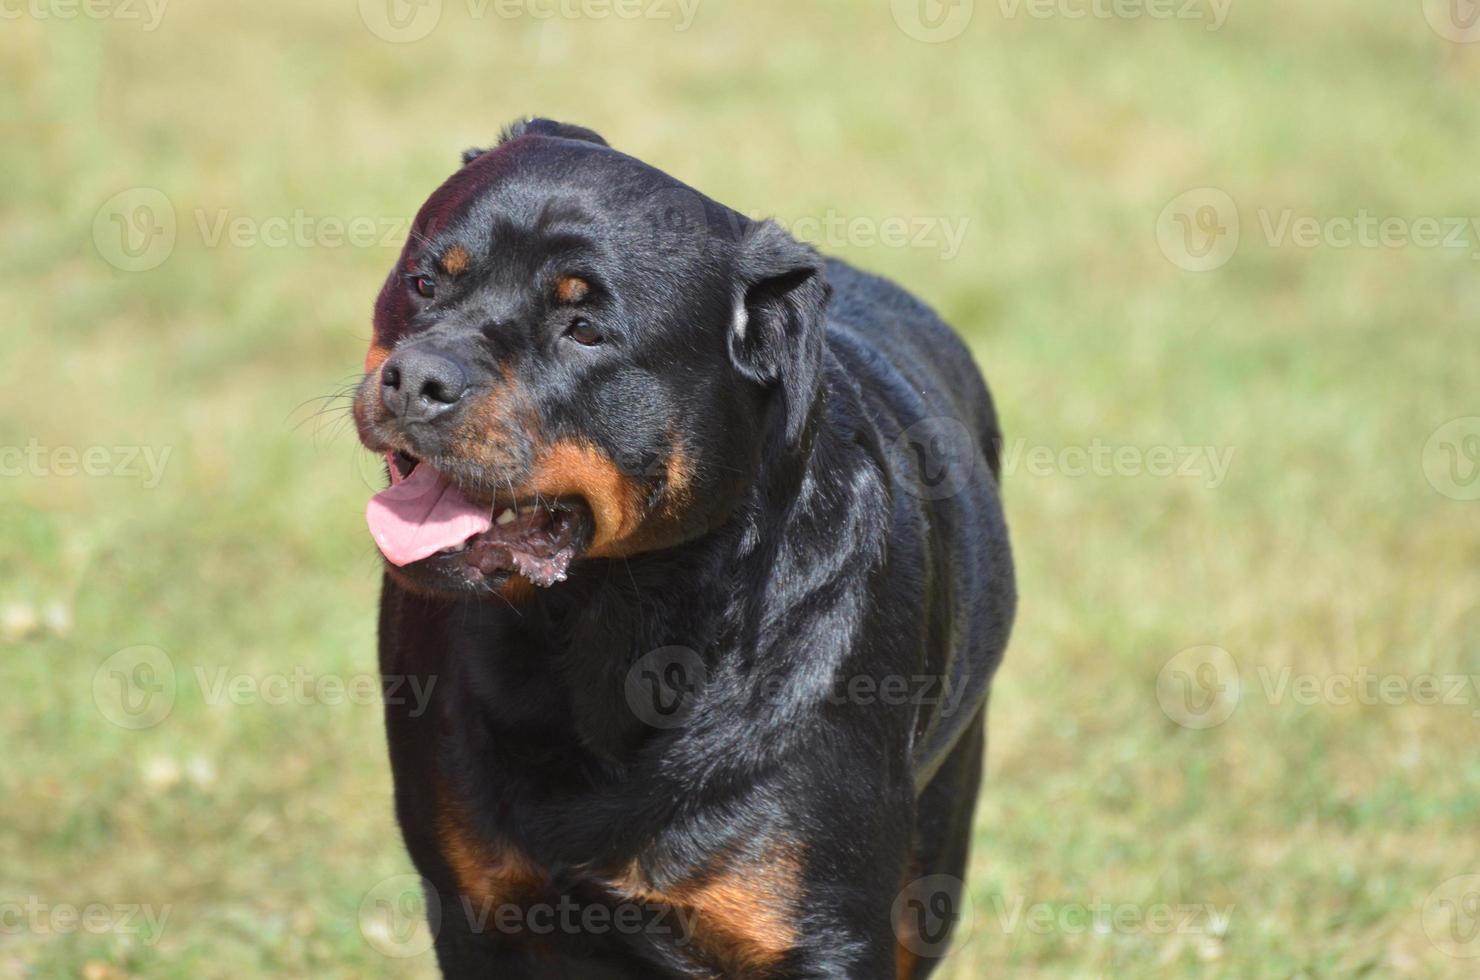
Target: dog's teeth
[[528, 508], [505, 517]]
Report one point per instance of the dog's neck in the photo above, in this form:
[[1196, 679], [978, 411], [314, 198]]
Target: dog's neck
[[585, 636]]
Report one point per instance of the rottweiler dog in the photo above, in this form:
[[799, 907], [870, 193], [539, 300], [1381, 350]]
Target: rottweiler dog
[[695, 537]]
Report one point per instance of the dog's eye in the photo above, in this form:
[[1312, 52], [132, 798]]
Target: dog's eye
[[424, 285], [584, 332]]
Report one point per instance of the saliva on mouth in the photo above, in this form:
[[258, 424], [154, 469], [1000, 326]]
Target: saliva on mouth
[[423, 516], [537, 540]]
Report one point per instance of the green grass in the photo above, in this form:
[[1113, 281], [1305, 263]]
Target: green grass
[[261, 827]]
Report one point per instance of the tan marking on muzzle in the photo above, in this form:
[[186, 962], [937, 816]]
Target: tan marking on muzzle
[[579, 469], [618, 499], [376, 356], [491, 424]]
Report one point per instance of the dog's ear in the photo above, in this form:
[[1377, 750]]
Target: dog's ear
[[776, 337], [533, 125]]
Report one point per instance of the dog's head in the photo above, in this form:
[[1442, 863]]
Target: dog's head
[[578, 356]]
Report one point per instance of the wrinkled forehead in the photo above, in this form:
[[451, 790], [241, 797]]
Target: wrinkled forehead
[[564, 195]]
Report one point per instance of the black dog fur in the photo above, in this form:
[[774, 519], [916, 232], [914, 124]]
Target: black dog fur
[[812, 564]]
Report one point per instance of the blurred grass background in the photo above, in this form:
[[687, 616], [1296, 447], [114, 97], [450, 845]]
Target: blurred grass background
[[1330, 829]]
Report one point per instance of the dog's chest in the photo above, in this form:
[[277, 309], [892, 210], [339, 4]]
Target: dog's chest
[[735, 916]]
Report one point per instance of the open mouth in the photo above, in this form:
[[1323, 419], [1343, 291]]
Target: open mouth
[[423, 516], [537, 540]]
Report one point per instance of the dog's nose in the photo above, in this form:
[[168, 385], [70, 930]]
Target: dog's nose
[[417, 384]]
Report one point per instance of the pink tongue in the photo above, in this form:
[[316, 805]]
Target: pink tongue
[[420, 515]]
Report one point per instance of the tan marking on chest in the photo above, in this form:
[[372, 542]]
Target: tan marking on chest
[[745, 914], [905, 962], [490, 872]]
